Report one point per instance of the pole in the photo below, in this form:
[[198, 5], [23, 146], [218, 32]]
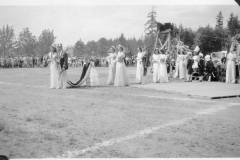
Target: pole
[[169, 45]]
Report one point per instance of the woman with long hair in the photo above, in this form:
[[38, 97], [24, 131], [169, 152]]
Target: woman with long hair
[[54, 67]]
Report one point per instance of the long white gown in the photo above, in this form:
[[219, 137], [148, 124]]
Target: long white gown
[[182, 73], [156, 61], [185, 61], [112, 68], [121, 77], [177, 66], [54, 70], [139, 72], [162, 72], [231, 68]]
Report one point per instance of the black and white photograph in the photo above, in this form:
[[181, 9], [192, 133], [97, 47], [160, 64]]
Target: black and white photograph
[[119, 79]]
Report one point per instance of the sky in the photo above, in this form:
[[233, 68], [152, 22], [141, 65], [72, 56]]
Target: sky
[[72, 20]]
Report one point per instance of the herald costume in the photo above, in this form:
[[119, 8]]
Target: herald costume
[[63, 72], [145, 64]]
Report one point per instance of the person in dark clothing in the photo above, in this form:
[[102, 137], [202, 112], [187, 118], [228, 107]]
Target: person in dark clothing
[[223, 59], [201, 66], [209, 68], [189, 67], [146, 64]]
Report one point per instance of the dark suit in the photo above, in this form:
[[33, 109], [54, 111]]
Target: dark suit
[[64, 60], [145, 63]]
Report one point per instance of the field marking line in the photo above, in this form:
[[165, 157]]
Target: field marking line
[[134, 95], [111, 142]]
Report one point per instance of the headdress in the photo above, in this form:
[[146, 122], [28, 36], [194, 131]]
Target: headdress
[[59, 45], [121, 46]]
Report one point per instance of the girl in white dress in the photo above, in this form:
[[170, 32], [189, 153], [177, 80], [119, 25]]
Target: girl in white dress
[[54, 67], [176, 74], [181, 67], [156, 61], [121, 77], [162, 72], [112, 66], [139, 72], [185, 61], [231, 65]]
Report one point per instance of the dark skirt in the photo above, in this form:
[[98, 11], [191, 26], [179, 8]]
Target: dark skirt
[[190, 70], [201, 71]]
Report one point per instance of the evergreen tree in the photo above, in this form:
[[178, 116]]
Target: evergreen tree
[[219, 18], [151, 30], [122, 40], [233, 25]]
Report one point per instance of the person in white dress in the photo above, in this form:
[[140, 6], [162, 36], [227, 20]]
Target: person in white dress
[[54, 67], [176, 74], [162, 72], [185, 61], [156, 61], [112, 66], [139, 72], [231, 65], [121, 77], [182, 74]]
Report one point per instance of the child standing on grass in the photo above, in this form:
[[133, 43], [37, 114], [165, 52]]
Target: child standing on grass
[[190, 63]]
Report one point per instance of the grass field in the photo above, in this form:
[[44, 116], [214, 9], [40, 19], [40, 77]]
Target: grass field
[[107, 121]]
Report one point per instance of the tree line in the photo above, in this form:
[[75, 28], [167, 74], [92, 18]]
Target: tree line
[[26, 43], [208, 38]]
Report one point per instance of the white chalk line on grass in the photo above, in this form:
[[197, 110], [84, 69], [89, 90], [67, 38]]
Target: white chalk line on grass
[[111, 142], [126, 94]]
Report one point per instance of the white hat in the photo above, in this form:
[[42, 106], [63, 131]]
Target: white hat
[[200, 54], [207, 57]]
